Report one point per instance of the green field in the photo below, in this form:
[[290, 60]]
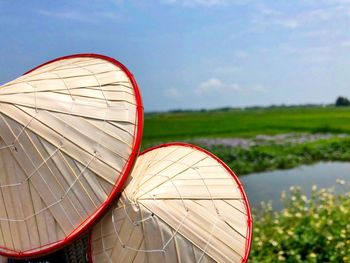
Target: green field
[[306, 230], [244, 123], [270, 156]]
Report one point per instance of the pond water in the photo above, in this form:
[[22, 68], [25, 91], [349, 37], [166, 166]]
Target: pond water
[[268, 186]]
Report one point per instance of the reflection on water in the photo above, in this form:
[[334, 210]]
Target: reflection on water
[[269, 185]]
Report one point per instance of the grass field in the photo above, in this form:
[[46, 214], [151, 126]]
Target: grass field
[[306, 230], [244, 123], [248, 123]]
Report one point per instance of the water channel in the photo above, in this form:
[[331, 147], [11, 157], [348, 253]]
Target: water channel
[[267, 186]]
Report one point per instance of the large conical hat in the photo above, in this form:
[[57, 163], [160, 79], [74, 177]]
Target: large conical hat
[[69, 133], [182, 204]]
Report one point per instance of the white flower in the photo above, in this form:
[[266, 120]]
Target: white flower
[[312, 255], [304, 198], [341, 182], [274, 243]]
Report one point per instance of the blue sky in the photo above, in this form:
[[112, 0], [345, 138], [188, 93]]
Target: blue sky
[[193, 53]]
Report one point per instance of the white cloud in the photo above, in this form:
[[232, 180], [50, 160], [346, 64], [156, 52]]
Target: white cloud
[[322, 13], [335, 1], [289, 23], [216, 86], [89, 17], [264, 10], [317, 15], [311, 54], [241, 54], [316, 33], [321, 59], [345, 44], [312, 50], [173, 93], [258, 88], [226, 70], [207, 3]]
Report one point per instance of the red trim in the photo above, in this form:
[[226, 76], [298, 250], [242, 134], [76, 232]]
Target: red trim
[[240, 186], [117, 187]]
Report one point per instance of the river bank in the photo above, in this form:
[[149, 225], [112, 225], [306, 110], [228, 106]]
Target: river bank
[[271, 155]]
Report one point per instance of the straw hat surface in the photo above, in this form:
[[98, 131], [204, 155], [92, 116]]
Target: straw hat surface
[[181, 204], [69, 134]]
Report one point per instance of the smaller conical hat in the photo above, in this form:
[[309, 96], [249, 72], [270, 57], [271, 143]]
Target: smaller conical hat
[[182, 204], [70, 131]]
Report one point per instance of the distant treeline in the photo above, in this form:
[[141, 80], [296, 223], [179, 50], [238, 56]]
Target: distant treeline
[[226, 109], [340, 102]]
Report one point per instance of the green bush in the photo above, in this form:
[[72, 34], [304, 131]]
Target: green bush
[[272, 156], [342, 101], [314, 229]]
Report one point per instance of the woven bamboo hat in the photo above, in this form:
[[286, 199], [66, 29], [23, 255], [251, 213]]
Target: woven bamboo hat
[[182, 204], [70, 130]]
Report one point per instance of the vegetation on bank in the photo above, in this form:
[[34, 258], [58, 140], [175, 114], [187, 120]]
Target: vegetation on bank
[[314, 229], [272, 156], [235, 123], [189, 126]]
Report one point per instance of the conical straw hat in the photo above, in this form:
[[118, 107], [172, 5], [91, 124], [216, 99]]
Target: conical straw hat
[[69, 133], [182, 204]]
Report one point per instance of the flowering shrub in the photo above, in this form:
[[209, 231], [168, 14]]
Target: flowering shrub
[[315, 229]]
